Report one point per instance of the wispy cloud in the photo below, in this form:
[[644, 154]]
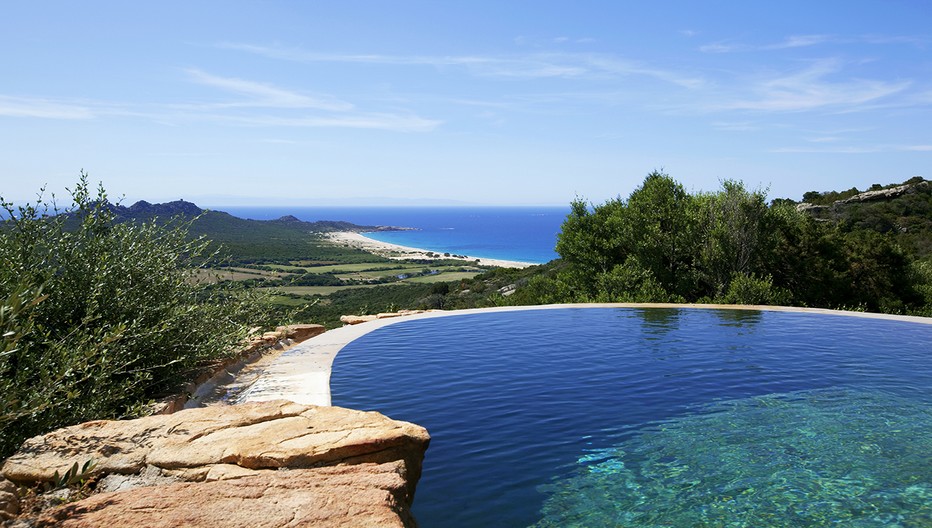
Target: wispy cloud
[[373, 121], [841, 149], [805, 41], [736, 126], [722, 47], [266, 95], [810, 89], [323, 111], [254, 104], [535, 65], [827, 150], [43, 108], [792, 41], [824, 139], [801, 41]]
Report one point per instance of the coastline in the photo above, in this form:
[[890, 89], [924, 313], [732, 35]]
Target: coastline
[[398, 252]]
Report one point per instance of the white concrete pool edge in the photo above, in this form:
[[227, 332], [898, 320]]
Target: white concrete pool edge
[[302, 373]]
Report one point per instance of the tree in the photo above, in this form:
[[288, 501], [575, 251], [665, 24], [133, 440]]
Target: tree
[[664, 244], [100, 317], [735, 235], [661, 231]]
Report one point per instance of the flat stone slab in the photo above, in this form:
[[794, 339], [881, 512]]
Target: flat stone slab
[[264, 464], [263, 435], [358, 495]]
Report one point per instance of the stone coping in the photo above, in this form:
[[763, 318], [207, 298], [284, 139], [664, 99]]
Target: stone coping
[[302, 373]]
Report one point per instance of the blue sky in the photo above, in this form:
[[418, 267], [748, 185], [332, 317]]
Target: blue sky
[[524, 102]]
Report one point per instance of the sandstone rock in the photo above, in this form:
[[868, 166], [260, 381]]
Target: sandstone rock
[[9, 500], [256, 464], [358, 495], [271, 337], [150, 476], [356, 319], [388, 315], [254, 436], [301, 332], [227, 472]]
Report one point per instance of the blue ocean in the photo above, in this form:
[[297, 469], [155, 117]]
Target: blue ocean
[[526, 234]]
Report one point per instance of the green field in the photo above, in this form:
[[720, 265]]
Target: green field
[[351, 268], [443, 277], [317, 290], [284, 300]]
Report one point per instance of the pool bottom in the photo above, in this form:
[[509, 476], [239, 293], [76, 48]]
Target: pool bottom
[[809, 458]]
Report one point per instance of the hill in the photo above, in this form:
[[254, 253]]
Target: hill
[[903, 210], [247, 241]]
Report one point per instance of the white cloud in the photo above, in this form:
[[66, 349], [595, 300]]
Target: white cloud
[[258, 95], [372, 121], [827, 150], [800, 41], [43, 108], [266, 95], [535, 65], [853, 149], [810, 89], [738, 126], [805, 41], [721, 47]]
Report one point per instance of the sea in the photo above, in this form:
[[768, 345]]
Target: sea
[[524, 234]]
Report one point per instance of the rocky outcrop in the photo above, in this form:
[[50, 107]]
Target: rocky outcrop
[[341, 496], [343, 466], [9, 500], [291, 334], [358, 319], [887, 194], [820, 211]]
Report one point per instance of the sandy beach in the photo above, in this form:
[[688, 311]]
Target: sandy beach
[[394, 251]]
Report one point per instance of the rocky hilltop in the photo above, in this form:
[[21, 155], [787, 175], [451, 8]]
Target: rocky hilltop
[[879, 195], [143, 210], [902, 211], [265, 464]]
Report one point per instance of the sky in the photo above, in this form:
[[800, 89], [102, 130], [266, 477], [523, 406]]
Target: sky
[[480, 102]]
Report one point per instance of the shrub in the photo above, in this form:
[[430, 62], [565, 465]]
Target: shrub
[[749, 289], [99, 317]]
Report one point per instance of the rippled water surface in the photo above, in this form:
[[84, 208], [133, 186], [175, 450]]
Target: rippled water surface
[[657, 417]]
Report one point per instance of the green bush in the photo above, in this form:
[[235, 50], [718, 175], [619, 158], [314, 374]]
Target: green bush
[[99, 317], [748, 289]]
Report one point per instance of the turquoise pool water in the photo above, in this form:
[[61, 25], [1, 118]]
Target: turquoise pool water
[[657, 417]]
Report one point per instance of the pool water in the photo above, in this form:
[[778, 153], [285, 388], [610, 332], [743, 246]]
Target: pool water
[[657, 417]]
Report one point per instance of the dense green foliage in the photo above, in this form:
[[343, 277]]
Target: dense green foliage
[[664, 244], [99, 317], [907, 218]]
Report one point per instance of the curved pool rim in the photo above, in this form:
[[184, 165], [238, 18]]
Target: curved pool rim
[[302, 373]]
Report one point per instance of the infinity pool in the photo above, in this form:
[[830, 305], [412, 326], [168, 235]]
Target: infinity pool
[[657, 417]]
